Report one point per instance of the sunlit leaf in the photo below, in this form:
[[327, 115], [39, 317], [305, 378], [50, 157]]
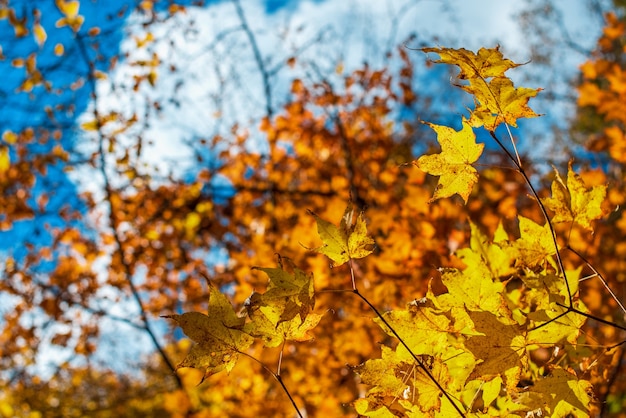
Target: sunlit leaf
[[218, 335], [453, 165], [348, 241], [573, 201]]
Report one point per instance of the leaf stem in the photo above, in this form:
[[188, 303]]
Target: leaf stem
[[278, 378]]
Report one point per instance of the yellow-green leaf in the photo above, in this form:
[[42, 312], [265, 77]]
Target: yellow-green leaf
[[453, 165], [217, 335], [562, 394], [554, 325], [345, 242], [535, 243], [488, 62], [574, 202]]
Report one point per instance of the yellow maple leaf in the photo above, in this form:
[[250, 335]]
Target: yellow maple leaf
[[484, 258], [283, 312], [454, 164], [488, 62], [498, 101], [554, 324], [501, 348], [380, 373], [476, 292], [348, 241], [535, 243], [561, 394], [218, 335], [422, 328], [428, 397], [573, 201]]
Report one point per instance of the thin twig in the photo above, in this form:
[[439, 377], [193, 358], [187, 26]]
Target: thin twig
[[113, 219], [535, 194], [278, 379], [419, 362], [257, 57], [596, 273]]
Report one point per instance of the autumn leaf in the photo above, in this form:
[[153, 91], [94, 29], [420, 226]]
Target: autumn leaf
[[283, 312], [488, 62], [561, 394], [499, 101], [381, 373], [555, 324], [218, 336], [292, 290], [346, 242], [453, 165], [487, 258], [424, 394], [535, 243], [573, 201], [422, 328], [70, 18], [476, 292], [500, 349]]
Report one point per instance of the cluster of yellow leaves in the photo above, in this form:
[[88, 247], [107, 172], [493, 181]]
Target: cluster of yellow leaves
[[282, 313], [497, 100], [477, 339], [331, 142], [479, 333]]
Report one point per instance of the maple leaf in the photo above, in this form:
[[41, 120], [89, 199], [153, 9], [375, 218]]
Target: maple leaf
[[535, 243], [422, 328], [394, 375], [545, 287], [265, 324], [380, 373], [488, 62], [499, 101], [500, 350], [293, 290], [573, 201], [484, 257], [496, 97], [345, 242], [218, 336], [428, 393], [476, 292], [283, 312], [454, 164], [554, 324], [561, 394]]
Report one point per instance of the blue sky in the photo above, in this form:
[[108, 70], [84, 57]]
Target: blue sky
[[217, 83]]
